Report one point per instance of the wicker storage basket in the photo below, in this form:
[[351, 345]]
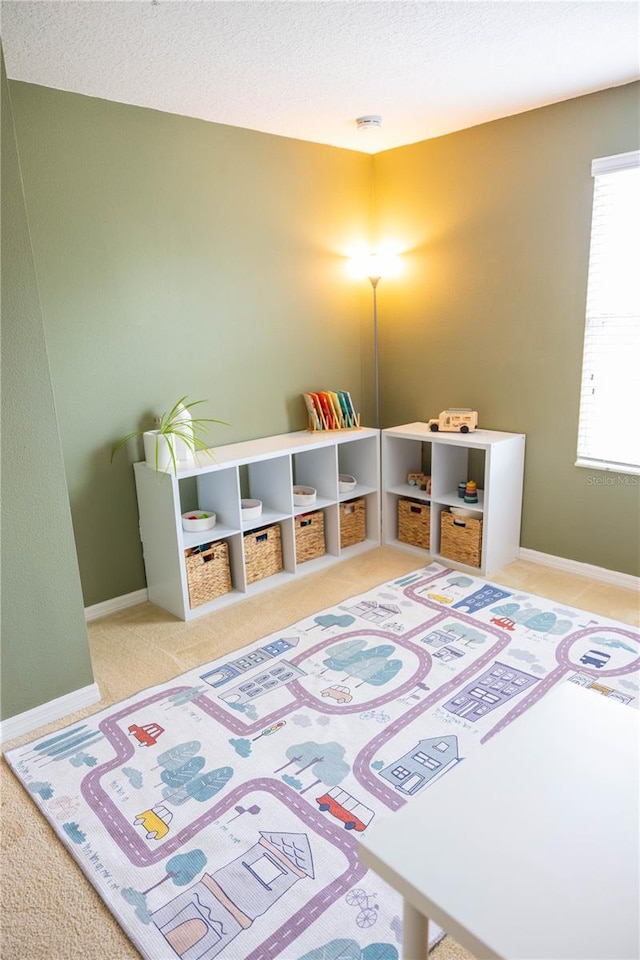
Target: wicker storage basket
[[309, 536], [461, 539], [208, 573], [352, 522], [414, 523], [262, 552]]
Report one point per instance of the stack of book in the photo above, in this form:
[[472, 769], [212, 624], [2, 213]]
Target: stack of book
[[331, 410]]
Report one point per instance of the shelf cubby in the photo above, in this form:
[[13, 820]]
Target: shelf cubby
[[492, 458], [264, 469]]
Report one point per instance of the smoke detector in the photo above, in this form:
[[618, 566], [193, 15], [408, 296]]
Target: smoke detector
[[371, 122]]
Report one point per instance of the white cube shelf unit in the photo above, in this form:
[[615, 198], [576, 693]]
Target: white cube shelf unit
[[265, 469], [406, 448]]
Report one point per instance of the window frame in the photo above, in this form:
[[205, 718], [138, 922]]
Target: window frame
[[600, 167]]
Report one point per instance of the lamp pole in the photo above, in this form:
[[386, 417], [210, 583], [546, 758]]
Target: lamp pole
[[376, 387]]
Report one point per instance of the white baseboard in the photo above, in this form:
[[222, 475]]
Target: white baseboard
[[117, 603], [48, 712], [581, 569], [626, 580], [55, 709]]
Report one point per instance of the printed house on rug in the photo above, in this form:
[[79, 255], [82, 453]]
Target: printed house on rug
[[278, 675], [489, 691], [201, 921], [375, 612], [235, 668], [428, 759]]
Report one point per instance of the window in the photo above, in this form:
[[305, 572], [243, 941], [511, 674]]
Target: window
[[265, 869], [400, 773], [484, 695], [426, 760], [608, 434]]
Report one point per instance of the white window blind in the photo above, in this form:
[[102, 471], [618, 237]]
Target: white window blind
[[609, 426]]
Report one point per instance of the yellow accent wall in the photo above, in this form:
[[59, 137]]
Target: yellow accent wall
[[489, 312]]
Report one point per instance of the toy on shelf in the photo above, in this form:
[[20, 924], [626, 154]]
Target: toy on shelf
[[471, 492], [455, 420], [419, 480]]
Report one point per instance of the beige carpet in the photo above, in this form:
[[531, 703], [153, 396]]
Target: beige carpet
[[49, 911]]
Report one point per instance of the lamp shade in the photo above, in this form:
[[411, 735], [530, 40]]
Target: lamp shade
[[374, 265]]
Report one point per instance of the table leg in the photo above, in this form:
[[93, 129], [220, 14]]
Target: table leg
[[415, 933]]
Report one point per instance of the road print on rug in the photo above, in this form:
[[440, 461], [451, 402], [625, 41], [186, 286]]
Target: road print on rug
[[217, 814]]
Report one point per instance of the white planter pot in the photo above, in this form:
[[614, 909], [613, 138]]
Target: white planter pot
[[184, 423], [157, 450]]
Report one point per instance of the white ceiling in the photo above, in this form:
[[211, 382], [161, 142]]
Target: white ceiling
[[308, 68]]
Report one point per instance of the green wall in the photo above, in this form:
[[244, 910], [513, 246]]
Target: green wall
[[45, 652], [180, 257], [489, 311]]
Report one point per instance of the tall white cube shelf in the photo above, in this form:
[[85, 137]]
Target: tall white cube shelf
[[266, 470], [447, 456]]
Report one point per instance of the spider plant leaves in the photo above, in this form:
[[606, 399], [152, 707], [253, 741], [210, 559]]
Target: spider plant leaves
[[174, 427]]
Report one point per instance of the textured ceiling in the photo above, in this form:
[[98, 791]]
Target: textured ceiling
[[309, 69]]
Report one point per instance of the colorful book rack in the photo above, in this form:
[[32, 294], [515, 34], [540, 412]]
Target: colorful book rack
[[331, 410]]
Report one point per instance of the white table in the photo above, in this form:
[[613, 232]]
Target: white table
[[529, 849]]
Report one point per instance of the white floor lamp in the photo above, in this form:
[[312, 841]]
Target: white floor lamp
[[374, 267], [374, 280]]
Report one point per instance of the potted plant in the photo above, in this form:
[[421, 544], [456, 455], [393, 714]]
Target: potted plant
[[176, 438]]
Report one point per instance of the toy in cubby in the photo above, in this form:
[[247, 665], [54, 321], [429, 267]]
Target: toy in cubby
[[419, 480], [471, 492]]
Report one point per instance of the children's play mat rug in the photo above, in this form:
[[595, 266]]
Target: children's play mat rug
[[218, 815]]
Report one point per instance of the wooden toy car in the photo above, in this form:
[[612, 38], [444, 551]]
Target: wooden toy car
[[419, 480], [456, 420]]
